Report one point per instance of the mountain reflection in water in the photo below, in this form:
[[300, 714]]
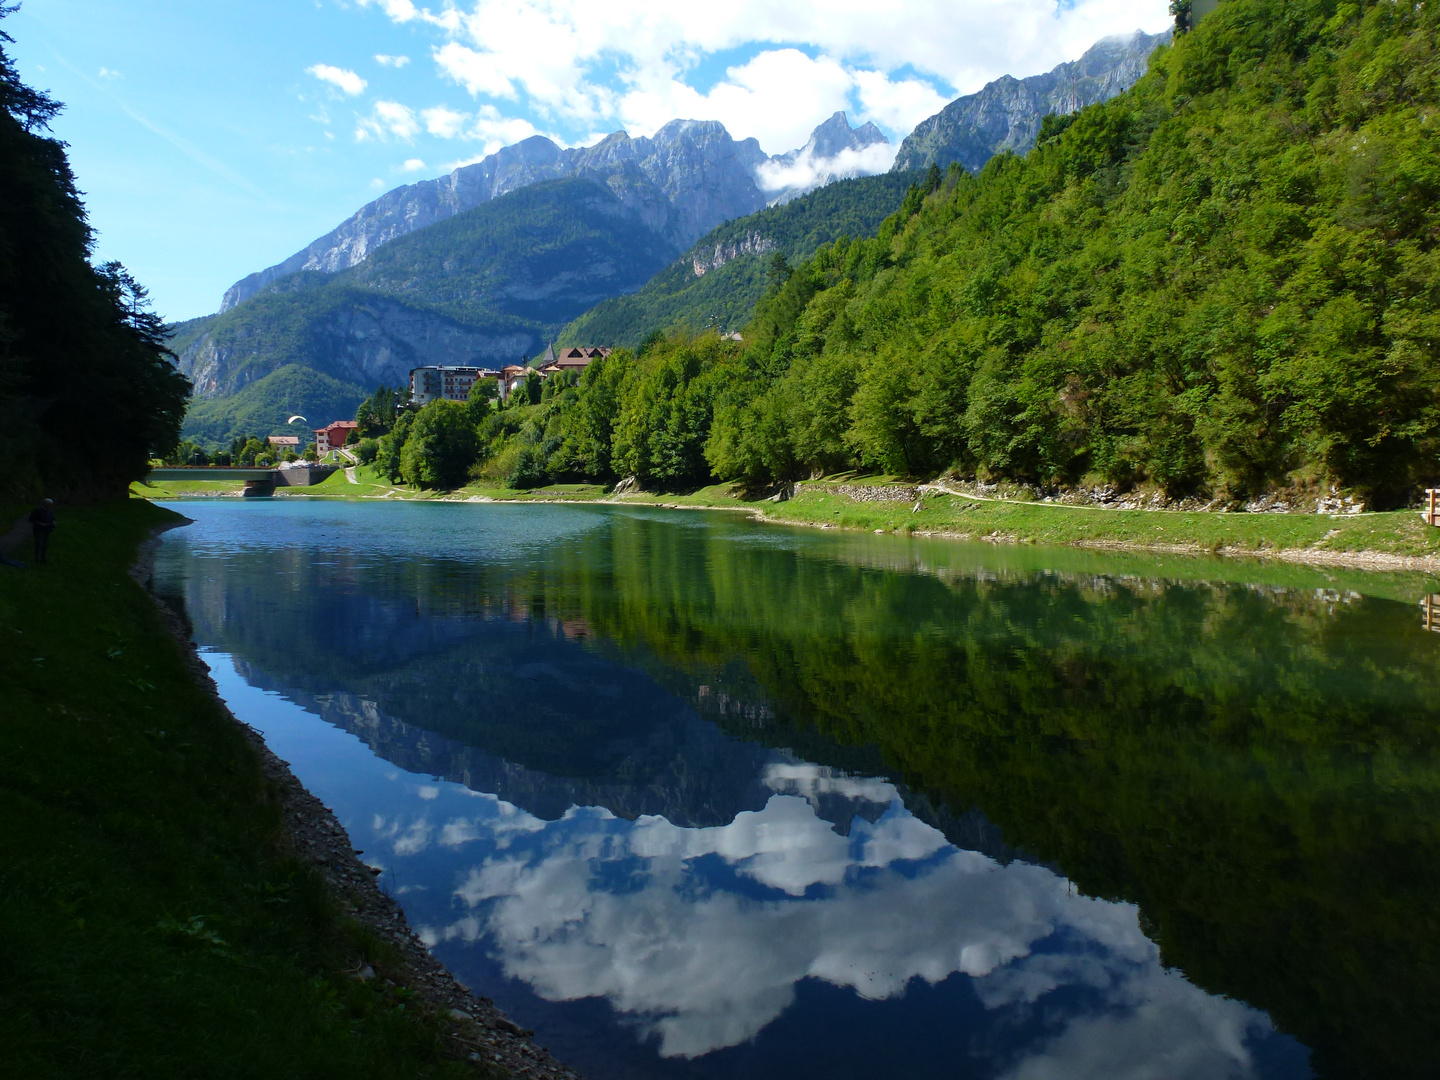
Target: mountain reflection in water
[[693, 797]]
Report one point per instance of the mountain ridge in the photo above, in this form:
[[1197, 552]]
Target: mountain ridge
[[688, 177], [1005, 114]]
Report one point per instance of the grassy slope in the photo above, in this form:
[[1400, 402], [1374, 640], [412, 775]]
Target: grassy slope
[[150, 925], [1398, 533]]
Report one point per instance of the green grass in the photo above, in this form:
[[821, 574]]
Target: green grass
[[181, 489], [151, 924], [1398, 533]]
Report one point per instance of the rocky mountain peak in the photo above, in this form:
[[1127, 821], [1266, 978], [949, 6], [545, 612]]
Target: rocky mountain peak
[[835, 135], [1005, 114], [834, 151], [682, 182]]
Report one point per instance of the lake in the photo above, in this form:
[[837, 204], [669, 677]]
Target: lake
[[697, 797]]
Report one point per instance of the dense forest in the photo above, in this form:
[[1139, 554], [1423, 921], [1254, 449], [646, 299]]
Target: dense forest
[[88, 391], [1223, 281]]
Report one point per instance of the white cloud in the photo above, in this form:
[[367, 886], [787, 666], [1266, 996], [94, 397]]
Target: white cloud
[[107, 73], [347, 82], [404, 11], [443, 122], [391, 61], [415, 164], [588, 65], [807, 172], [386, 120], [776, 98], [495, 130], [399, 10], [897, 105]]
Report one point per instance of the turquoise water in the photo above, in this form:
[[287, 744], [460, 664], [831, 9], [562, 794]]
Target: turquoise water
[[697, 797]]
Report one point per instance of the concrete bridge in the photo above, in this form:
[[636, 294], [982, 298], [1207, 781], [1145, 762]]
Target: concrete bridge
[[258, 482]]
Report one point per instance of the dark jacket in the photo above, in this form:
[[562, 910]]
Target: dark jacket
[[42, 519]]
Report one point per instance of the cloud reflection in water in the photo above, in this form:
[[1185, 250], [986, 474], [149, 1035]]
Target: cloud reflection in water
[[699, 936]]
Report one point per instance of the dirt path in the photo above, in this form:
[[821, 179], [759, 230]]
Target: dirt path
[[477, 1030]]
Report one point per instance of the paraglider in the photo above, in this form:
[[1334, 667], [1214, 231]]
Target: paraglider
[[297, 416]]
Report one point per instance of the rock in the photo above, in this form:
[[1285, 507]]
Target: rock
[[460, 1014]]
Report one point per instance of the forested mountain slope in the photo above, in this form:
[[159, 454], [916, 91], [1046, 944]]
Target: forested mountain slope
[[718, 282], [1224, 280], [485, 286]]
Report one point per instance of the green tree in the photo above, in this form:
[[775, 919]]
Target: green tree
[[590, 424], [440, 446], [481, 402], [376, 414], [664, 422], [88, 391]]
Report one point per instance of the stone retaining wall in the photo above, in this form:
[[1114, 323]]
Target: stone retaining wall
[[868, 492]]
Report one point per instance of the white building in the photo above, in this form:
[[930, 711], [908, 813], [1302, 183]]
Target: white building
[[429, 384]]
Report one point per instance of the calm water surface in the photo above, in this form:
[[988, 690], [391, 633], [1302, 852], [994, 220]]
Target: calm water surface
[[695, 797]]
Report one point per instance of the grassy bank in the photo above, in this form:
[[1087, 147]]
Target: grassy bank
[[1401, 533], [151, 923]]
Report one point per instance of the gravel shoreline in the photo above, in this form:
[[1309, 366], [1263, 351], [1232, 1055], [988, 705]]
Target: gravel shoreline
[[476, 1029]]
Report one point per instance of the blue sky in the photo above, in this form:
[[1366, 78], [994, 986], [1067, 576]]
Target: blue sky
[[215, 137]]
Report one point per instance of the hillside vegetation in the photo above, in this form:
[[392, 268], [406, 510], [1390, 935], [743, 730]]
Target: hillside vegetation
[[264, 405], [1222, 282], [735, 259]]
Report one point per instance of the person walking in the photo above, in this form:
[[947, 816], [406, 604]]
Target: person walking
[[42, 524]]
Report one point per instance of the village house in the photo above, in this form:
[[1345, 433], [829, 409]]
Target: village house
[[511, 376], [579, 357], [551, 362], [333, 436], [281, 443]]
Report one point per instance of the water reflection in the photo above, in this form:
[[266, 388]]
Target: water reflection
[[696, 798], [699, 939]]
